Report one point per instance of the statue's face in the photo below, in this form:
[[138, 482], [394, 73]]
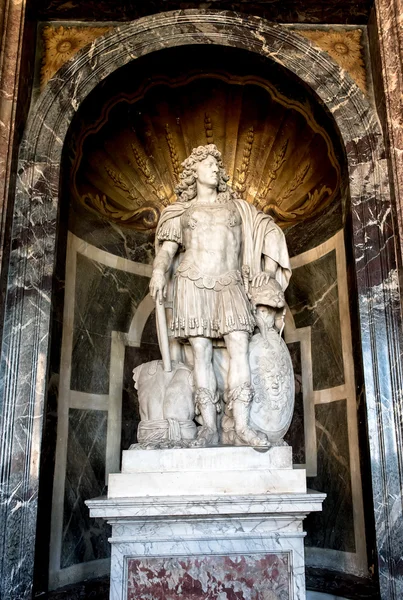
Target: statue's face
[[207, 172]]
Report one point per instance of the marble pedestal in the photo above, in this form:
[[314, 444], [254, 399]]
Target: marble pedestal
[[173, 538]]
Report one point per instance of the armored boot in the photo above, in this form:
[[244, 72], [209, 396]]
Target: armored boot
[[228, 435], [239, 400], [207, 405]]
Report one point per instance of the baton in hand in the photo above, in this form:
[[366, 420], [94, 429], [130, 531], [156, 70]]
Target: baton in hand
[[162, 332]]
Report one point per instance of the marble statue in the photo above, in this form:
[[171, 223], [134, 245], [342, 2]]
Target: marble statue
[[218, 280]]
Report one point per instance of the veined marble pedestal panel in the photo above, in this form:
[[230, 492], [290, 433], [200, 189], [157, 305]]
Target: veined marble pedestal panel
[[233, 536]]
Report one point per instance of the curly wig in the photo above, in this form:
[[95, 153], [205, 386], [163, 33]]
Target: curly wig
[[186, 189]]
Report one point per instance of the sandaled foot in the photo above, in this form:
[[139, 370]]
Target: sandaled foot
[[250, 437], [205, 437]]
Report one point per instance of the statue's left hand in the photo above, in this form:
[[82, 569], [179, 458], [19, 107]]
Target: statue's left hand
[[260, 279]]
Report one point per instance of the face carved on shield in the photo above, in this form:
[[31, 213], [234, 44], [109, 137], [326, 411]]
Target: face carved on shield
[[271, 386]]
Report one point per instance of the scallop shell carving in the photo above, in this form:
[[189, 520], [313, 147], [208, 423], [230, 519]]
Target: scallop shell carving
[[278, 158]]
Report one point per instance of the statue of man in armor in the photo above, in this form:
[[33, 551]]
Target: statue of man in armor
[[215, 254]]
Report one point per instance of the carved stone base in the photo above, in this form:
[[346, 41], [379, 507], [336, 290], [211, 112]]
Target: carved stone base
[[207, 523], [170, 548], [211, 471]]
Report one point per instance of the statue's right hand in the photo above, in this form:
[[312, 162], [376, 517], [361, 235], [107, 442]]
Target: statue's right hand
[[158, 287]]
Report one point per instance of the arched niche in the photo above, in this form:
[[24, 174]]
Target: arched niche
[[35, 231], [120, 164]]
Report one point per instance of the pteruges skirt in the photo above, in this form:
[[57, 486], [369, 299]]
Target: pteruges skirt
[[209, 306]]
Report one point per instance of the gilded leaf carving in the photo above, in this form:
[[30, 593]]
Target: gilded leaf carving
[[119, 182], [141, 218], [173, 153], [278, 161], [296, 182], [307, 206], [144, 167], [243, 170]]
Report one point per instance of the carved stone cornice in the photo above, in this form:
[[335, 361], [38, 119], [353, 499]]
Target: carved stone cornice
[[12, 20], [344, 46]]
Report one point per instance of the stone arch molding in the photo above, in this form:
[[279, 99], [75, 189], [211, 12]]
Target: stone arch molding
[[28, 304]]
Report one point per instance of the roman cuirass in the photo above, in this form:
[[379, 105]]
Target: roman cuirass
[[210, 215]]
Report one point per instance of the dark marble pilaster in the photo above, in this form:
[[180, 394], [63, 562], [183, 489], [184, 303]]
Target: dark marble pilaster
[[23, 384], [17, 495], [17, 48], [11, 31], [386, 32]]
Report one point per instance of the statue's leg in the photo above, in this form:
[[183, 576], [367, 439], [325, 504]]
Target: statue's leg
[[240, 392], [206, 391]]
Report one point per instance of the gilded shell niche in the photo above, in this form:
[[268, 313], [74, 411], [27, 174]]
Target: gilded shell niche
[[278, 158]]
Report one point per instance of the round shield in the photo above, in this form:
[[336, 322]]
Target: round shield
[[273, 382]]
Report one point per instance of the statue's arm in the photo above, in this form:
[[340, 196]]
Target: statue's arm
[[162, 263]]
